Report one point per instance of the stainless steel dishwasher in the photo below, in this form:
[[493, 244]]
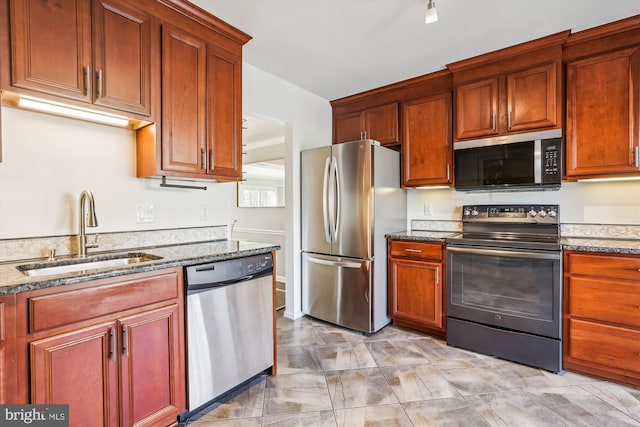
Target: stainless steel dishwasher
[[229, 326]]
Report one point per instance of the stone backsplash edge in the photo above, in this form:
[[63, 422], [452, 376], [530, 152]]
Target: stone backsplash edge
[[582, 230], [38, 247]]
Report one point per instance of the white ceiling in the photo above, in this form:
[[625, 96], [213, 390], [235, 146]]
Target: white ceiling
[[335, 48]]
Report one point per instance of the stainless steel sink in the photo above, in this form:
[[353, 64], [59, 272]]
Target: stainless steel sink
[[85, 264]]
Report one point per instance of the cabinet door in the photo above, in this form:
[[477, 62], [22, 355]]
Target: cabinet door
[[122, 56], [381, 124], [183, 102], [477, 109], [348, 127], [416, 292], [152, 375], [531, 98], [602, 114], [8, 374], [51, 47], [79, 369], [224, 113], [426, 146]]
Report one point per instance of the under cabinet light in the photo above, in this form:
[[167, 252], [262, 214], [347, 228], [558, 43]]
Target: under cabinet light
[[620, 178], [52, 107]]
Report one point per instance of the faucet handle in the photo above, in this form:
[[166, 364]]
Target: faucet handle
[[94, 244]]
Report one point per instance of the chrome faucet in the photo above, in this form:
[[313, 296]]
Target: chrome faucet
[[91, 221]]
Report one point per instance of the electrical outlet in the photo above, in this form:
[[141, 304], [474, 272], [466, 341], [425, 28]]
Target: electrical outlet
[[204, 212], [428, 209], [145, 213]]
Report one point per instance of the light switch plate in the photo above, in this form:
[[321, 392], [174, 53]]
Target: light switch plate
[[428, 209]]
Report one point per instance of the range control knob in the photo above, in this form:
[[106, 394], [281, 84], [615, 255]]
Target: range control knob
[[533, 213], [474, 212], [552, 213], [466, 212], [542, 213]]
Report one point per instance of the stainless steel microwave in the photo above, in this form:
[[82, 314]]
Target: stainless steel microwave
[[522, 161]]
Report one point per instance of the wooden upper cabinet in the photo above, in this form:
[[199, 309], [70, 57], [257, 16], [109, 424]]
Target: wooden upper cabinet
[[348, 127], [224, 114], [200, 131], [513, 90], [122, 56], [184, 74], [97, 54], [201, 108], [427, 149], [379, 123], [603, 114], [51, 47], [477, 109], [531, 98]]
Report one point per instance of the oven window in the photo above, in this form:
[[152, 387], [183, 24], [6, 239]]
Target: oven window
[[513, 292], [508, 164]]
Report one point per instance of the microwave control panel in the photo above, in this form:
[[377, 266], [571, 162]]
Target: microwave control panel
[[551, 159]]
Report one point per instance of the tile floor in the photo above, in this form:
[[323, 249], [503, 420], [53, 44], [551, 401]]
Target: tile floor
[[329, 376]]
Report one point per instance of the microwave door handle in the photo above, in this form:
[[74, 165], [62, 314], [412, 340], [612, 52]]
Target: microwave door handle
[[537, 161], [325, 200]]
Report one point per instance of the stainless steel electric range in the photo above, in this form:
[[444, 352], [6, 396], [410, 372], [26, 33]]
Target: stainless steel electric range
[[504, 284]]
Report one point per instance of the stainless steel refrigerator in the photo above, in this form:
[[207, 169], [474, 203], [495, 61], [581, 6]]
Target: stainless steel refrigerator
[[351, 198]]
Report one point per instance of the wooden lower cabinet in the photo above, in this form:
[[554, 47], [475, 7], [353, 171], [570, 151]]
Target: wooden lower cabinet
[[416, 286], [7, 350], [150, 365], [78, 368], [602, 315], [120, 362]]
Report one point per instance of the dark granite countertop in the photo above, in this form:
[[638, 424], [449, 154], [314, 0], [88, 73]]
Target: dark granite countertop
[[422, 235], [14, 281], [616, 246]]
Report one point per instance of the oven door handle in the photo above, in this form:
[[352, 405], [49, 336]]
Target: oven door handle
[[506, 253]]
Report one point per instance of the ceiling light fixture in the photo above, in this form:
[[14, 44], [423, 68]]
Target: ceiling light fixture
[[432, 15], [56, 108]]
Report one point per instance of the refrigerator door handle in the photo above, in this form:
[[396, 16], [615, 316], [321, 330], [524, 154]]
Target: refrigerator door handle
[[336, 198], [325, 200], [345, 264]]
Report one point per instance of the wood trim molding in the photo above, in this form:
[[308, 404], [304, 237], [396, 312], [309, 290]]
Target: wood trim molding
[[203, 17], [556, 39], [609, 29]]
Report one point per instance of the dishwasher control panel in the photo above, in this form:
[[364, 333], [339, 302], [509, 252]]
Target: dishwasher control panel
[[219, 273]]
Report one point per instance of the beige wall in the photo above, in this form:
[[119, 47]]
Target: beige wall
[[580, 202]]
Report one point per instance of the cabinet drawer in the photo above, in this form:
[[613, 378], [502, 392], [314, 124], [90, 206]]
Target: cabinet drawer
[[609, 346], [621, 267], [416, 250], [51, 311], [605, 299]]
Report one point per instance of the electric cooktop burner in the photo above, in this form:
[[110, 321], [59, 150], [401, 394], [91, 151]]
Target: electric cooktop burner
[[515, 226]]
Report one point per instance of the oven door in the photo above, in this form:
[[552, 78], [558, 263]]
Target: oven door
[[515, 289]]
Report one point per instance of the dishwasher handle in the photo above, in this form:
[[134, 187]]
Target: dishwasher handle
[[194, 288]]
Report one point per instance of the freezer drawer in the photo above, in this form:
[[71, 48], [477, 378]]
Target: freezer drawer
[[338, 290]]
